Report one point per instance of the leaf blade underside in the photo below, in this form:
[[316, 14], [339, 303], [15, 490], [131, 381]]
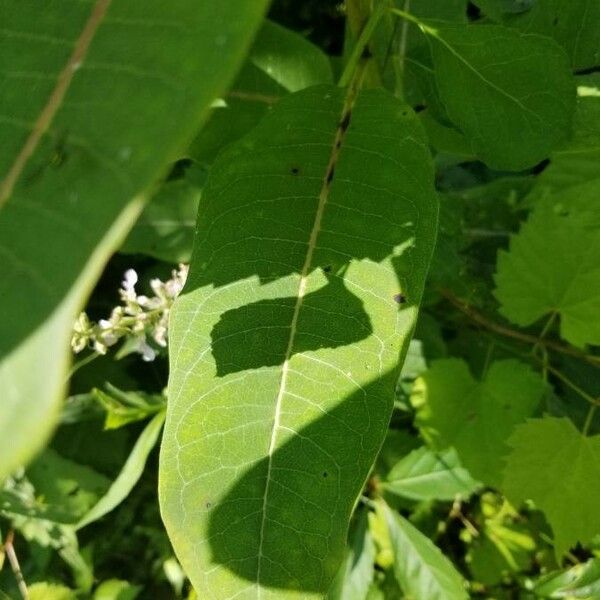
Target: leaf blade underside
[[285, 346]]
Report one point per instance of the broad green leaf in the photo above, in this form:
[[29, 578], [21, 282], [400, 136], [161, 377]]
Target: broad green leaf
[[428, 475], [554, 465], [130, 473], [574, 24], [580, 581], [284, 344], [165, 229], [420, 567], [280, 61], [475, 417], [355, 575], [511, 94], [50, 591], [552, 267], [97, 98]]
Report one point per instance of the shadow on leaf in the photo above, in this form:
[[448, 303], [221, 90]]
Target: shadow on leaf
[[331, 317], [306, 491]]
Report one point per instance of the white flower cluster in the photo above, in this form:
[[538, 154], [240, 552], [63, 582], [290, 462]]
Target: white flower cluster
[[139, 318]]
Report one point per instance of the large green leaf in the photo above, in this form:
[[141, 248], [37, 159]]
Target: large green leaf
[[476, 417], [420, 567], [559, 469], [511, 94], [552, 265], [314, 237], [96, 98]]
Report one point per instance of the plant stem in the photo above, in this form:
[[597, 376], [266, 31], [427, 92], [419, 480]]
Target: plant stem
[[82, 363], [400, 64], [589, 419], [480, 319], [359, 49], [9, 549]]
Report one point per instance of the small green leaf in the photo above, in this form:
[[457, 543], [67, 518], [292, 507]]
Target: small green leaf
[[420, 567], [580, 581], [50, 591], [476, 417], [116, 589], [280, 61], [54, 488], [284, 344], [428, 475], [356, 571], [578, 161], [552, 265], [554, 465], [165, 229], [499, 86], [130, 473]]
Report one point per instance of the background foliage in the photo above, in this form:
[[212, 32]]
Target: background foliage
[[488, 481]]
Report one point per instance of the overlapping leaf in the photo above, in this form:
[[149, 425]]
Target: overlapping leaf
[[574, 24], [511, 94], [314, 236], [559, 469], [552, 265], [428, 475], [420, 567], [96, 98], [476, 417]]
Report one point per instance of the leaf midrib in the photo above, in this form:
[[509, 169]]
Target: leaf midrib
[[306, 267], [55, 99]]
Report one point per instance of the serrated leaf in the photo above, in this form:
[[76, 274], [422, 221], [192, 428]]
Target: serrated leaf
[[499, 86], [428, 475], [97, 98], [476, 417], [552, 265], [554, 465], [420, 567], [284, 345]]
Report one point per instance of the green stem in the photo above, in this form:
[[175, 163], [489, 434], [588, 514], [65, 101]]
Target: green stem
[[358, 51], [82, 363], [400, 63], [589, 419], [408, 17]]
